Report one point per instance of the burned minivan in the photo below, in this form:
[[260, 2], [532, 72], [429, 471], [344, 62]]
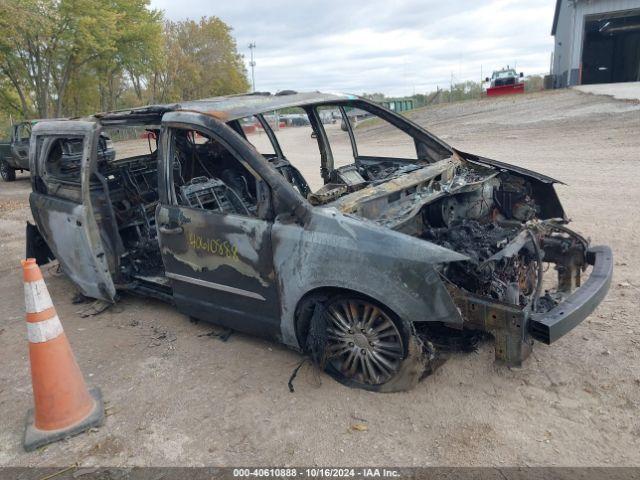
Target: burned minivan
[[368, 272]]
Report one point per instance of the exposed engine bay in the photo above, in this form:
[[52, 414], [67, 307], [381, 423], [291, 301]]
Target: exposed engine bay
[[494, 217]]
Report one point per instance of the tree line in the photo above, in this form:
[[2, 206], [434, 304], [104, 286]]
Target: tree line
[[68, 58]]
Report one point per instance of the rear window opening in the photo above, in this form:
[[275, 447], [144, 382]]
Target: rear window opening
[[64, 157], [299, 144]]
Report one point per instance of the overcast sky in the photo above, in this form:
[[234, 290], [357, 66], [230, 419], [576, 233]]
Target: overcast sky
[[397, 47]]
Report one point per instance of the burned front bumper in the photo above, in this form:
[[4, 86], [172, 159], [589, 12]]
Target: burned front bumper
[[550, 326], [515, 328]]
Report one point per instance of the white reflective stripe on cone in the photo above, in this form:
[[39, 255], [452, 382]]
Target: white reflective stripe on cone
[[43, 331], [36, 297]]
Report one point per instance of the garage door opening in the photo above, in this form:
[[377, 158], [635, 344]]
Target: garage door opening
[[611, 50]]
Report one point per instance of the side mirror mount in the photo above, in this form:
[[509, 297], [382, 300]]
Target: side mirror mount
[[486, 79], [521, 75]]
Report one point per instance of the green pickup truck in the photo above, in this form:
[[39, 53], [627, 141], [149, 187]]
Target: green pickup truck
[[14, 154]]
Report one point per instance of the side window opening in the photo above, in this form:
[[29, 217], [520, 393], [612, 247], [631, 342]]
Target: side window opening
[[299, 145], [254, 132], [337, 135], [377, 138], [64, 159], [130, 141], [23, 132], [207, 176]]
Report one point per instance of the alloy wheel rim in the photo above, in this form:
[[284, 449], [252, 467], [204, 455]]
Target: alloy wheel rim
[[363, 343]]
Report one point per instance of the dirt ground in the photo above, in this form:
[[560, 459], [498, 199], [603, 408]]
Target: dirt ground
[[176, 396]]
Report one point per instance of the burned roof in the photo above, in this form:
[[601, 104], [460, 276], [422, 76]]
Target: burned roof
[[230, 107]]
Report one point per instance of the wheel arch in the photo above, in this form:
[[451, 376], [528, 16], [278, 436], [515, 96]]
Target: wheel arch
[[418, 357], [304, 307]]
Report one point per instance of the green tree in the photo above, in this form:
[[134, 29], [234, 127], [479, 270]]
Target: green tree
[[73, 57], [200, 60], [138, 49], [10, 103], [465, 90], [45, 42], [47, 46]]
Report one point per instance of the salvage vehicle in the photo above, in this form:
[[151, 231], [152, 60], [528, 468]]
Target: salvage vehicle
[[369, 275], [14, 154]]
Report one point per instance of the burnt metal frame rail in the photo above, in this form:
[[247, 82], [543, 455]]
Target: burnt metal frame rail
[[514, 329], [550, 326]]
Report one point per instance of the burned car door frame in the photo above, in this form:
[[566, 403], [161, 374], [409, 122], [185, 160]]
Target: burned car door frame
[[20, 146], [63, 208], [428, 148], [220, 263]]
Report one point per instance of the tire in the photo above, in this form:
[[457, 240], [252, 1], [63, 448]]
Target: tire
[[369, 347], [7, 173]]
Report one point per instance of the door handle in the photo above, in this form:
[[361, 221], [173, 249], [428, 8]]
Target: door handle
[[171, 231]]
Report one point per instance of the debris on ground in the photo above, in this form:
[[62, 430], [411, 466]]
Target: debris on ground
[[222, 335], [294, 374], [95, 308], [160, 336], [359, 427], [79, 298]]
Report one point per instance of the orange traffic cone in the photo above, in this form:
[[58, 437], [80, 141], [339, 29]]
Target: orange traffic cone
[[63, 405]]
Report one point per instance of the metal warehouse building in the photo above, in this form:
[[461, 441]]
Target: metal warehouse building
[[596, 41]]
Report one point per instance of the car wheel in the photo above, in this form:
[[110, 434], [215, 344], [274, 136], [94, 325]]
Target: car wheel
[[8, 174], [369, 347]]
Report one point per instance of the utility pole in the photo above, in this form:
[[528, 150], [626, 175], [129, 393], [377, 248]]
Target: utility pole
[[252, 64], [451, 88]]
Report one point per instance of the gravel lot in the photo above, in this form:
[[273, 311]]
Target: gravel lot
[[176, 396]]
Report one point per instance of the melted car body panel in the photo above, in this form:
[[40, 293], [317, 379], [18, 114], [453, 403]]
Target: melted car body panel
[[333, 250]]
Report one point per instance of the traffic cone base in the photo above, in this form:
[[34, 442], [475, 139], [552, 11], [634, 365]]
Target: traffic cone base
[[63, 406], [36, 438]]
